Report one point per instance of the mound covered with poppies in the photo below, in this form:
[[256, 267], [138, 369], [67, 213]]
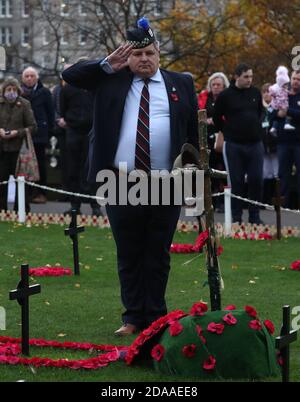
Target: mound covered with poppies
[[222, 344]]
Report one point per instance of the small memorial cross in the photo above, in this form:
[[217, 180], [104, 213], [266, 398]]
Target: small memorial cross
[[73, 231], [21, 294], [283, 343]]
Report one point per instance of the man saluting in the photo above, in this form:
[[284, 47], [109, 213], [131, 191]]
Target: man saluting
[[142, 116]]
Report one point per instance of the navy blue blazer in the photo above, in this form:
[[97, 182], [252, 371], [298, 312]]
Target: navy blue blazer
[[110, 91]]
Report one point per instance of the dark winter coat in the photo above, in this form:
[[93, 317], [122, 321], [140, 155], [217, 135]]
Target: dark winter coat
[[42, 106], [17, 116]]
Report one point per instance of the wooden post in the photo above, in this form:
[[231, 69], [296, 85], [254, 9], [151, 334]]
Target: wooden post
[[212, 262]]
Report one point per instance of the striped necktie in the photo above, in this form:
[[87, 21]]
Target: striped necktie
[[142, 148]]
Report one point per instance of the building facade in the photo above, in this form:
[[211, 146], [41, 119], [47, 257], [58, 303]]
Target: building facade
[[49, 33]]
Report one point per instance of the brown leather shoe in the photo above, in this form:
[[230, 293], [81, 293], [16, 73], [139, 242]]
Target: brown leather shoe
[[126, 329]]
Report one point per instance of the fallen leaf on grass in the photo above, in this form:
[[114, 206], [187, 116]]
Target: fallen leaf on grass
[[77, 285], [252, 282], [33, 370], [47, 303], [61, 335]]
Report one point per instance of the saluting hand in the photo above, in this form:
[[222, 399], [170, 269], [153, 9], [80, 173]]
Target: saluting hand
[[119, 58]]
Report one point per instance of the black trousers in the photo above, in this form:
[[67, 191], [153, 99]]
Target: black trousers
[[77, 150], [143, 236], [8, 162], [242, 159]]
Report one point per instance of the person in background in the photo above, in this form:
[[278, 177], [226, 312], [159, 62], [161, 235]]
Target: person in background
[[238, 114], [279, 93], [270, 169], [76, 108], [42, 106], [288, 145], [16, 117], [60, 132], [217, 82]]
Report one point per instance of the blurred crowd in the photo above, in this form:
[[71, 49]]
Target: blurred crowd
[[252, 133]]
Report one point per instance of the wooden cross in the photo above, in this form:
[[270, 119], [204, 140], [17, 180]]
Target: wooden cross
[[212, 263], [21, 294], [73, 231], [283, 343], [277, 202]]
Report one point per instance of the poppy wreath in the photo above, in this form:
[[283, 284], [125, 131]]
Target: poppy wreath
[[194, 248], [226, 344], [10, 350], [50, 271]]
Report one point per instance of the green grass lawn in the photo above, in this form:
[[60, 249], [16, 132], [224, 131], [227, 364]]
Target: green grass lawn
[[88, 308]]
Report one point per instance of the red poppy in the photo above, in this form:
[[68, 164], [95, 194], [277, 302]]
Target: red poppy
[[189, 350], [255, 324], [175, 328], [158, 352], [220, 250], [229, 319], [270, 326], [210, 363], [199, 331], [174, 97], [265, 236], [279, 359], [198, 309], [216, 328], [295, 265], [230, 307], [251, 311]]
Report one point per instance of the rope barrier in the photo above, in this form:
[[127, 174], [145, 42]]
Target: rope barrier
[[56, 190]]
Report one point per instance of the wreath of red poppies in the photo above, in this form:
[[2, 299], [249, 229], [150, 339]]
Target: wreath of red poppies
[[50, 271], [10, 349]]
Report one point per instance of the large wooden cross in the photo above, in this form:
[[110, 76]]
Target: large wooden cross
[[212, 263], [21, 294], [73, 231]]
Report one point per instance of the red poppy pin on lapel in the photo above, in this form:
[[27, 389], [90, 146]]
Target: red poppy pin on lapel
[[174, 95]]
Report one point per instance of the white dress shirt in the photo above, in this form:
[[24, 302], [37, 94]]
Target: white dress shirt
[[159, 118]]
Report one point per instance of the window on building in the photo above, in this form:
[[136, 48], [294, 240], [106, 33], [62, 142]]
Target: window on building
[[45, 5], [133, 8], [65, 7], [158, 8], [65, 36], [83, 9], [6, 36], [99, 8], [45, 36], [83, 37], [25, 36], [25, 8], [46, 61], [5, 8]]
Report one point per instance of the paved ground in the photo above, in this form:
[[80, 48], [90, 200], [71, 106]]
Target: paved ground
[[269, 217]]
